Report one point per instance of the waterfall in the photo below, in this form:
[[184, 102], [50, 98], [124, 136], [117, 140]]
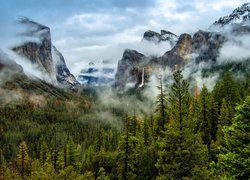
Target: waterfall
[[142, 78]]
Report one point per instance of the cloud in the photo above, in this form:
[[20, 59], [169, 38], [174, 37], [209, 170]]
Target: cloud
[[235, 50], [207, 5], [99, 29]]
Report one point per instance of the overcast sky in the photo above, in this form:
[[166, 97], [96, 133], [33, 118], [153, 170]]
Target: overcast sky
[[85, 30]]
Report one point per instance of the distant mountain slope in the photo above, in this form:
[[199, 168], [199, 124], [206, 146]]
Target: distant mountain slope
[[240, 15]]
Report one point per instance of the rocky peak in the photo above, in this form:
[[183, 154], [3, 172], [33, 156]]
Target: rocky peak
[[41, 53], [37, 52], [129, 68], [63, 75], [206, 45], [152, 36], [156, 38], [167, 35], [183, 46], [132, 55], [35, 29], [240, 15]]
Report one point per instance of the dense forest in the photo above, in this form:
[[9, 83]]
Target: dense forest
[[192, 134]]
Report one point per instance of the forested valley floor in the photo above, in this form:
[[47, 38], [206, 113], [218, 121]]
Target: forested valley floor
[[192, 134]]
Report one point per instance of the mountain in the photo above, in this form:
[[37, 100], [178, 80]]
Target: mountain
[[42, 52], [100, 73], [6, 62], [15, 85], [206, 45], [134, 66], [152, 36], [201, 47], [240, 15], [236, 23], [129, 68]]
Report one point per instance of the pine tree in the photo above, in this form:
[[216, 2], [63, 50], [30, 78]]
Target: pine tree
[[214, 116], [226, 113], [45, 155], [205, 117], [179, 99], [23, 160], [234, 158], [161, 108], [102, 175], [226, 89], [180, 151], [127, 151], [71, 153]]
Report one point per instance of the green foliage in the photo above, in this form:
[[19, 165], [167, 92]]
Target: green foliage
[[180, 151], [227, 89], [23, 160], [234, 157], [81, 138]]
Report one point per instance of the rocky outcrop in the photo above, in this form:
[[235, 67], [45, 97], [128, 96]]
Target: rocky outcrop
[[63, 75], [41, 52], [177, 56], [206, 45], [240, 15], [237, 23], [37, 52], [152, 36], [129, 68]]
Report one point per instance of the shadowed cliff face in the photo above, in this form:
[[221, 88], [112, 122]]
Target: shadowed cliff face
[[204, 46], [164, 36], [44, 54], [130, 67], [38, 54], [207, 45], [63, 74]]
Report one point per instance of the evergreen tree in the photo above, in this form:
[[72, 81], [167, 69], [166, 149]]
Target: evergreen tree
[[234, 158], [23, 160], [180, 151], [226, 113], [127, 159], [205, 117], [45, 155], [102, 175], [227, 89], [161, 108], [179, 99]]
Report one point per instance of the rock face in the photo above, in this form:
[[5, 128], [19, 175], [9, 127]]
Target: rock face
[[63, 74], [237, 23], [240, 15], [129, 68], [204, 46], [37, 52], [156, 38], [177, 56], [132, 64], [40, 51]]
